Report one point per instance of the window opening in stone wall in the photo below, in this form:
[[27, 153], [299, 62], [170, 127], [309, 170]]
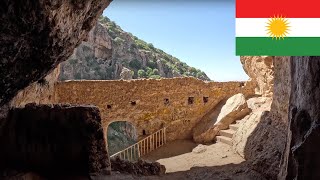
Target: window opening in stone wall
[[133, 103], [205, 99], [166, 101], [144, 132], [190, 100], [109, 106]]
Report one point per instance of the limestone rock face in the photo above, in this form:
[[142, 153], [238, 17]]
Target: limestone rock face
[[301, 159], [281, 95], [249, 123], [258, 140], [261, 137], [126, 74], [37, 35], [100, 41], [260, 70], [247, 126], [235, 108], [259, 103], [121, 134], [109, 49], [40, 92]]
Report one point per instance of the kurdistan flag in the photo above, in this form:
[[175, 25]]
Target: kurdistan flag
[[278, 27]]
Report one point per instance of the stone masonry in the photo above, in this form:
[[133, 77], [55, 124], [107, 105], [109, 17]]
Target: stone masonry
[[178, 103]]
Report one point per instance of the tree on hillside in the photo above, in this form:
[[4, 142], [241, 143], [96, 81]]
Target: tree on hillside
[[135, 64]]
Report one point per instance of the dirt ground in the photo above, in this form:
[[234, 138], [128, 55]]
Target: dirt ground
[[217, 162]]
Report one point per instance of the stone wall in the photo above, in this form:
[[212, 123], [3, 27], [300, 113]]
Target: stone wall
[[177, 103], [54, 140]]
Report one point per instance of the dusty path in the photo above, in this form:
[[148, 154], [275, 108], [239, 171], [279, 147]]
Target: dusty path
[[217, 162], [184, 159]]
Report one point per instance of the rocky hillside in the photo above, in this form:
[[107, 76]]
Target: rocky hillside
[[111, 53], [121, 134]]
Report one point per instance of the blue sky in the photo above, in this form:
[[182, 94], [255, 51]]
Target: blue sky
[[200, 33]]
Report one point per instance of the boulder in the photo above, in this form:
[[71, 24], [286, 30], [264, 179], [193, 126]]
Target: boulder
[[199, 149], [140, 167], [126, 74], [235, 108]]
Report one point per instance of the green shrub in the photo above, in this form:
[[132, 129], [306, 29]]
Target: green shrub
[[152, 64], [149, 72], [150, 45], [135, 64], [77, 76], [118, 40], [155, 77], [155, 72], [141, 73], [104, 19]]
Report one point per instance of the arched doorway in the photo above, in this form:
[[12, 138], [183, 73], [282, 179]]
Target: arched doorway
[[120, 135]]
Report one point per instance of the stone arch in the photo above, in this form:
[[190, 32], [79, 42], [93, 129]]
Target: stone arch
[[120, 134]]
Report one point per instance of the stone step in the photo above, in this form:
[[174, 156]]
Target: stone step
[[224, 139], [234, 126], [227, 133], [238, 121]]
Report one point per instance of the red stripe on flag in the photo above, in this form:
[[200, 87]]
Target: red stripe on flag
[[268, 8]]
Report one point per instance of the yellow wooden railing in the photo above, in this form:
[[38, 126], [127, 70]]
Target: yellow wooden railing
[[143, 147]]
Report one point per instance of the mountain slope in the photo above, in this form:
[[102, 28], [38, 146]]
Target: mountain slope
[[111, 53]]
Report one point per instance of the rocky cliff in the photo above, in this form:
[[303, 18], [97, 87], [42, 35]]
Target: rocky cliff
[[301, 158], [261, 137], [121, 134], [260, 70], [111, 53], [39, 92], [36, 36]]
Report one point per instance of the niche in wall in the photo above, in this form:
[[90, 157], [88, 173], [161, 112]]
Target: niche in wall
[[133, 103], [205, 99], [166, 101], [190, 100]]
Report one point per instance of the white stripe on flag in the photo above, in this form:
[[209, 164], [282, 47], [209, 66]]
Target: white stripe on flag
[[256, 27]]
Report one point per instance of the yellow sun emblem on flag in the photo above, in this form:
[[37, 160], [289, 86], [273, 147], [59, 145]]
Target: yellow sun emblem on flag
[[278, 27]]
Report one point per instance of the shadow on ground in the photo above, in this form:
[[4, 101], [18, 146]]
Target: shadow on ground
[[225, 172], [171, 149]]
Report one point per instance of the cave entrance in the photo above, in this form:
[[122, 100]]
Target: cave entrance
[[120, 135]]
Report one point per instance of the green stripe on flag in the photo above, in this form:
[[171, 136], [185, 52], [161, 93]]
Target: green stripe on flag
[[289, 46]]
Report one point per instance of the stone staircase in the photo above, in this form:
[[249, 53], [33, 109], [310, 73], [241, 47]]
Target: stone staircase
[[225, 136]]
